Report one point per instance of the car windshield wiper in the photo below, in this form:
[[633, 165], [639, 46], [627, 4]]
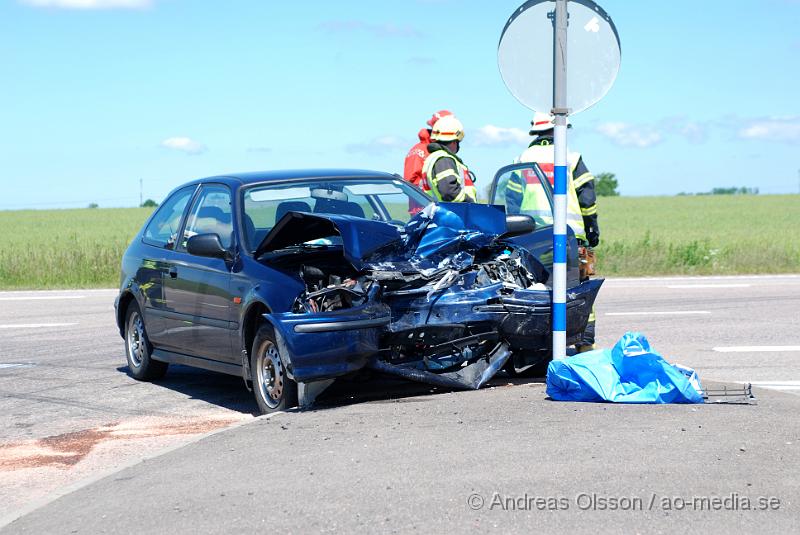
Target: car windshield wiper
[[303, 247], [312, 245]]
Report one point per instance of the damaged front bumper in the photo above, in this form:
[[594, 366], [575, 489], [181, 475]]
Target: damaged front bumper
[[455, 339], [472, 376]]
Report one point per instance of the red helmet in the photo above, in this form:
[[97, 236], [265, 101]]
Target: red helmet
[[438, 115]]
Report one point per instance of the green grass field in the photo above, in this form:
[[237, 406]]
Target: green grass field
[[640, 236], [699, 235], [65, 248]]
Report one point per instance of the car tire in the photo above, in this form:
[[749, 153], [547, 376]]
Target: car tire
[[138, 348], [274, 390]]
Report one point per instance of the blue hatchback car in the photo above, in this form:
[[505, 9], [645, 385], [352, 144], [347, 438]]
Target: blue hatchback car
[[293, 279]]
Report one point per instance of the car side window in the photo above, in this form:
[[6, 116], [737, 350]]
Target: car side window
[[524, 190], [211, 214], [162, 231]]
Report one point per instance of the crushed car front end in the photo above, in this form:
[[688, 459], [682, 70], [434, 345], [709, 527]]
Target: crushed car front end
[[446, 300]]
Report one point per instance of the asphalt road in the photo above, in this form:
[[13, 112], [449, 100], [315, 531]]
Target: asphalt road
[[387, 457]]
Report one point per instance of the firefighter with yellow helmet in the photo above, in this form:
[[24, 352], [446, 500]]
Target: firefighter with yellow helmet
[[524, 193], [447, 177]]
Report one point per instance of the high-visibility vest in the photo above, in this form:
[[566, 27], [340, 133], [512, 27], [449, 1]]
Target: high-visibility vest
[[525, 184], [463, 175], [544, 155]]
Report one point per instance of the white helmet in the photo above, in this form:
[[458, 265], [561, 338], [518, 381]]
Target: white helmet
[[542, 122], [447, 129]]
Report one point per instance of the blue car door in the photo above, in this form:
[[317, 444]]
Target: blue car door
[[508, 189], [158, 241], [197, 289]]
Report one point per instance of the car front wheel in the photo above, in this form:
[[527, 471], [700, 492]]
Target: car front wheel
[[138, 349], [273, 389]]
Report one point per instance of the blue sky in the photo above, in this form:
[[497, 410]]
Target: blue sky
[[98, 94]]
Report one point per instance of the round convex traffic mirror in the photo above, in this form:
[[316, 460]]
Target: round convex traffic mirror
[[525, 54]]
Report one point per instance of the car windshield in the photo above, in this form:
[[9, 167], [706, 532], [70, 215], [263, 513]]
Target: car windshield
[[392, 201]]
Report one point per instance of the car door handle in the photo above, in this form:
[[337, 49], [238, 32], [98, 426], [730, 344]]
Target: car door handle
[[173, 272]]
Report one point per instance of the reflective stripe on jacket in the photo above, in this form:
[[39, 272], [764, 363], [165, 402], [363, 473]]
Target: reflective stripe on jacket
[[543, 154], [526, 194], [446, 177]]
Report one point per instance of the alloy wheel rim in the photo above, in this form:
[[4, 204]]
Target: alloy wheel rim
[[136, 338], [270, 375]]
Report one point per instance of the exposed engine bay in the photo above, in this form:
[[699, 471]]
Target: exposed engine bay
[[330, 288], [440, 302]]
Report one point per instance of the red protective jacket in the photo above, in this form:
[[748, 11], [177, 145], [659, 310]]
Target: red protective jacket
[[412, 171]]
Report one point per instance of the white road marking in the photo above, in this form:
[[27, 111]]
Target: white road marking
[[660, 313], [777, 385], [70, 291], [42, 297], [756, 349], [789, 387], [15, 365], [36, 325], [662, 282], [721, 278], [692, 286]]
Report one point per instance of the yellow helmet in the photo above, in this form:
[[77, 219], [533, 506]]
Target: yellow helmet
[[447, 129]]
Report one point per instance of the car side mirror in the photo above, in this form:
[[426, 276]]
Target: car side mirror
[[206, 245], [518, 224]]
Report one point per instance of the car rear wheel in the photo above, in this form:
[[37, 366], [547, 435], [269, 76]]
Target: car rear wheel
[[138, 349], [273, 388]]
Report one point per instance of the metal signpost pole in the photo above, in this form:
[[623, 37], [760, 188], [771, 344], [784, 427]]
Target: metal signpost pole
[[594, 42], [560, 182]]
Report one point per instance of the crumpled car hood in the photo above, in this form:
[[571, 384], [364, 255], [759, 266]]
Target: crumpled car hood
[[436, 230], [360, 237], [440, 229]]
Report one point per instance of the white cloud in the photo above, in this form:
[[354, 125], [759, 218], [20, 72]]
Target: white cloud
[[693, 131], [630, 135], [184, 144], [90, 4], [498, 136], [781, 129], [379, 145], [785, 129]]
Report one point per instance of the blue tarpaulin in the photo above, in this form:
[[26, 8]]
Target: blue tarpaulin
[[631, 372]]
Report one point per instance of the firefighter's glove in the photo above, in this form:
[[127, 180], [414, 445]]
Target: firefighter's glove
[[593, 236]]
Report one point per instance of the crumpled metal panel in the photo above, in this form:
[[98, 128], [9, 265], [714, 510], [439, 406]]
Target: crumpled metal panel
[[360, 237], [473, 376], [433, 313]]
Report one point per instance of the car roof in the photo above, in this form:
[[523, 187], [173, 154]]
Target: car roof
[[294, 174]]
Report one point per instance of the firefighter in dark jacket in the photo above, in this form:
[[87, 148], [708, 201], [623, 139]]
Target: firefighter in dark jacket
[[412, 168], [525, 192], [447, 177]]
